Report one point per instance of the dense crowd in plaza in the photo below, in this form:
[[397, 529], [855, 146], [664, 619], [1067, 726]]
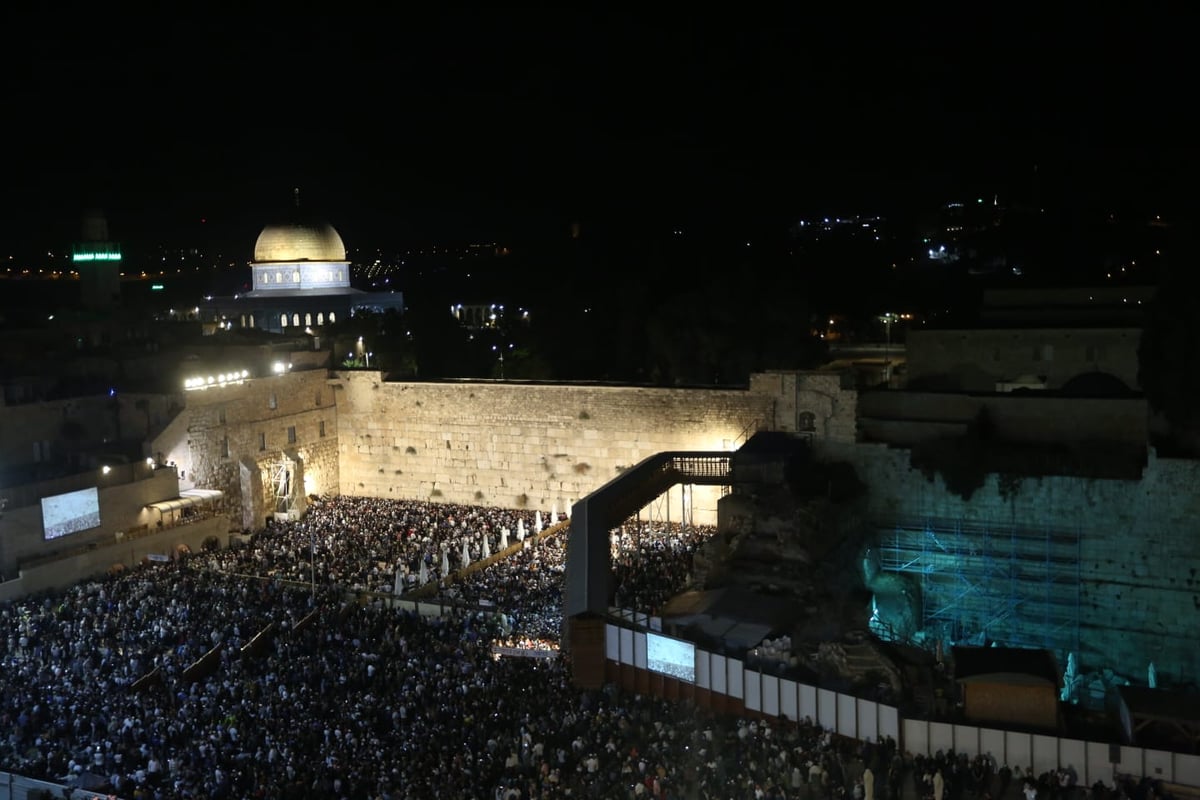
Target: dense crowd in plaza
[[234, 674]]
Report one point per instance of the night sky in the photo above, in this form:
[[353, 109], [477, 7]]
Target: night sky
[[407, 129]]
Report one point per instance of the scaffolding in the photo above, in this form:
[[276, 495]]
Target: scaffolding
[[659, 513], [282, 491], [981, 583]]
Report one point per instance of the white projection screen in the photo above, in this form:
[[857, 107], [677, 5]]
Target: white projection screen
[[70, 513], [672, 657]]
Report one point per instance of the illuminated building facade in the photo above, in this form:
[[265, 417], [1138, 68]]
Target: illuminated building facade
[[300, 281]]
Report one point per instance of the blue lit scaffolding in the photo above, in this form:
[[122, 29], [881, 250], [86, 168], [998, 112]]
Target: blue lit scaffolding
[[985, 582]]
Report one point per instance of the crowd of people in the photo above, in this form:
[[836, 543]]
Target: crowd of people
[[258, 672]]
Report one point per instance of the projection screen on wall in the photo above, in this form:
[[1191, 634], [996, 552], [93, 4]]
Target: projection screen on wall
[[671, 657], [70, 513]]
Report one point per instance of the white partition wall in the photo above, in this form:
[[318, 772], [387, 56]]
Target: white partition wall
[[991, 742], [1045, 753], [941, 736], [1019, 748], [789, 700], [808, 703], [612, 643], [1131, 760], [719, 674], [1072, 753], [827, 709], [1157, 764], [752, 690], [865, 719], [703, 666], [1099, 768], [770, 695], [735, 678], [966, 740], [889, 722], [847, 716], [639, 650], [1187, 769], [916, 736], [868, 720]]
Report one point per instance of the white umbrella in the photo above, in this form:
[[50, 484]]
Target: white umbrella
[[521, 529], [554, 512], [423, 575], [487, 550], [398, 586], [466, 554], [537, 522], [445, 561], [504, 538]]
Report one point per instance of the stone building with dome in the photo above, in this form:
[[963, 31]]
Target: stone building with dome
[[300, 281]]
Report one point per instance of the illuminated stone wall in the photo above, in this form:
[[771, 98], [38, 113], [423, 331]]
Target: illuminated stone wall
[[226, 430], [526, 446], [1136, 585]]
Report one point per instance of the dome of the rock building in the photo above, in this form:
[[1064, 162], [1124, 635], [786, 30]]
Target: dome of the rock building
[[296, 241]]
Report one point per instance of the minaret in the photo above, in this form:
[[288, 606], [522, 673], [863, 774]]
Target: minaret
[[98, 261]]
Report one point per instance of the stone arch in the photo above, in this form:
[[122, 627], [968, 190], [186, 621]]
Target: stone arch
[[806, 422]]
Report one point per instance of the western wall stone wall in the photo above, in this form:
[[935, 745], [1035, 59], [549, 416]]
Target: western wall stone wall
[[526, 446], [1139, 552]]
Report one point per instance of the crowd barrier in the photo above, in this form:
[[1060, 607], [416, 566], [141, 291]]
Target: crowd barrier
[[859, 718]]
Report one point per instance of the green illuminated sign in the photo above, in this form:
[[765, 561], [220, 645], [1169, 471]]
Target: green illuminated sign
[[96, 257]]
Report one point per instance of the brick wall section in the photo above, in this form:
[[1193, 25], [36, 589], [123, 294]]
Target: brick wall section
[[522, 446], [1139, 570]]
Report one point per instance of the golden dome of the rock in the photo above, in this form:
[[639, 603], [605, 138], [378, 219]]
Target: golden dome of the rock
[[295, 241]]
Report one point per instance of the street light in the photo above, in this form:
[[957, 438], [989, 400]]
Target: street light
[[499, 349], [888, 319]]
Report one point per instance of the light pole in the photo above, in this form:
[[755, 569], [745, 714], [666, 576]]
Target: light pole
[[888, 319], [500, 350]]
